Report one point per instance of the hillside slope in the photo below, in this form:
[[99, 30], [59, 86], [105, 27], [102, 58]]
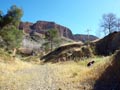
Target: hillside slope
[[110, 78], [109, 44]]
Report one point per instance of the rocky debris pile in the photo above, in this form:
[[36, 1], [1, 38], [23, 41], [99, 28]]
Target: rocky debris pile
[[68, 52]]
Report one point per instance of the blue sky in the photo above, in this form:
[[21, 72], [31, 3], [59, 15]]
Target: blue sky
[[78, 15]]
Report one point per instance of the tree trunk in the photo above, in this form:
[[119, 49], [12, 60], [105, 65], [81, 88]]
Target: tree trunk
[[51, 45], [14, 52]]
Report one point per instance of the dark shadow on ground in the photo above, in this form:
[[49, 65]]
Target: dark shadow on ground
[[110, 79]]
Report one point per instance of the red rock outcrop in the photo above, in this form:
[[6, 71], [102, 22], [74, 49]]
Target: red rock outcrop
[[26, 26], [42, 26]]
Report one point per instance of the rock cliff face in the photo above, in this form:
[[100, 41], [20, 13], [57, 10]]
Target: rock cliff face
[[26, 26], [42, 26]]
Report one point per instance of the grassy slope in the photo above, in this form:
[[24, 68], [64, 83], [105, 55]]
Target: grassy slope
[[78, 72]]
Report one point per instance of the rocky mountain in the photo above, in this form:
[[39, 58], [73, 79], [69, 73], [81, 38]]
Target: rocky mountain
[[84, 38], [42, 26], [26, 26]]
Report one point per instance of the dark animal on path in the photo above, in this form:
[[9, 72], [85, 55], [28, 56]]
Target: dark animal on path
[[90, 63]]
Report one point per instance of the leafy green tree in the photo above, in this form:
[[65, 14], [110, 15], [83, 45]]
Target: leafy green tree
[[13, 17], [46, 47], [15, 14], [1, 18], [11, 36], [9, 27], [51, 36]]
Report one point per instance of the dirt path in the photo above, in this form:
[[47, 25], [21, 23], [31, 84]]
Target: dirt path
[[39, 77]]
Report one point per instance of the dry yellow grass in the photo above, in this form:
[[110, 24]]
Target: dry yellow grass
[[32, 59], [14, 66], [72, 43], [8, 67], [68, 72], [79, 72], [9, 79], [9, 63]]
